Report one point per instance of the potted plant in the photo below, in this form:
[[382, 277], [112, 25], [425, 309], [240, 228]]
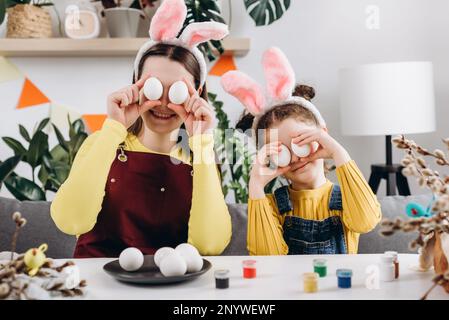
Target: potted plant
[[123, 17], [49, 166], [433, 227], [26, 18]]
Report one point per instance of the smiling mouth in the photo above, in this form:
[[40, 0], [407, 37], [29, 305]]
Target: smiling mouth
[[162, 115], [299, 167]]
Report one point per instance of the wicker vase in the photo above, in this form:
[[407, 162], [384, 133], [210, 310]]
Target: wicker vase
[[28, 21]]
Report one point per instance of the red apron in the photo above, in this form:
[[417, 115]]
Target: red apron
[[146, 205]]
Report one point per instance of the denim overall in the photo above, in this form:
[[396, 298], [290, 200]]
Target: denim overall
[[312, 236]]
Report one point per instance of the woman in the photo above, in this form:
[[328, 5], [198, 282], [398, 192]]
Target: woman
[[132, 183]]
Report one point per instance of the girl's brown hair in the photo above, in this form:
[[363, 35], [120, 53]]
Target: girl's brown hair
[[282, 112], [174, 53]]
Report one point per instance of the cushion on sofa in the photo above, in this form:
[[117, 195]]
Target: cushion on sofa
[[39, 229], [392, 207]]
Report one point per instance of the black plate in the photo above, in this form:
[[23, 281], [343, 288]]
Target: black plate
[[149, 273]]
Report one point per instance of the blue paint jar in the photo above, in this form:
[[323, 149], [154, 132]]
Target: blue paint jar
[[344, 278]]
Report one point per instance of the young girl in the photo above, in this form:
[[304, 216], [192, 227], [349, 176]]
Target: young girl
[[311, 215], [131, 183]]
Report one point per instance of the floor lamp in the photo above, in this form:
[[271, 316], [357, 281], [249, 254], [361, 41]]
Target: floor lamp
[[387, 99]]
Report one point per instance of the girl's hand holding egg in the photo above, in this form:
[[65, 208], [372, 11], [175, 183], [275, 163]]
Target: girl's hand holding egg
[[262, 173], [196, 112], [126, 105], [321, 145]]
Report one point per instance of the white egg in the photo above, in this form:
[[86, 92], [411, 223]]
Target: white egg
[[191, 256], [131, 259], [283, 158], [186, 247], [178, 92], [161, 253], [173, 264], [305, 150], [301, 151], [194, 263], [152, 89]]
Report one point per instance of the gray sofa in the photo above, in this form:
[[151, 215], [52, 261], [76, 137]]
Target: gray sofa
[[40, 228]]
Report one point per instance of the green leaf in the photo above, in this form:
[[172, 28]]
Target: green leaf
[[61, 139], [23, 132], [8, 166], [78, 126], [16, 146], [38, 146], [77, 141], [265, 12], [59, 153], [42, 175], [23, 189], [42, 124], [202, 11], [60, 173], [2, 10]]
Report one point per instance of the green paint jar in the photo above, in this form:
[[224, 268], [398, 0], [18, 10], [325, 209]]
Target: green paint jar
[[320, 267]]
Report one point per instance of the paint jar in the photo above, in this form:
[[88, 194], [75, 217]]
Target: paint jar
[[320, 267], [395, 262], [344, 278], [249, 269], [221, 279], [387, 269], [310, 280]]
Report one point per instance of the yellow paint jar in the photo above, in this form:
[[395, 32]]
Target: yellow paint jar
[[310, 280]]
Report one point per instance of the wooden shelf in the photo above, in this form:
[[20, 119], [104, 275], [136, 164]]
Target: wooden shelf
[[65, 47]]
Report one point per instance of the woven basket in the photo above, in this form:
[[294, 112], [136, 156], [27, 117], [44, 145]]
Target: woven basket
[[28, 21]]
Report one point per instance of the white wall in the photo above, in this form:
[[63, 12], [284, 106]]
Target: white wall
[[318, 36]]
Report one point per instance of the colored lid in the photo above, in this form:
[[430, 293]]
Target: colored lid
[[319, 262], [310, 276], [392, 253], [221, 274], [387, 258], [344, 273], [249, 263]]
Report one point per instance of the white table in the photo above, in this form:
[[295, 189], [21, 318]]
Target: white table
[[278, 277]]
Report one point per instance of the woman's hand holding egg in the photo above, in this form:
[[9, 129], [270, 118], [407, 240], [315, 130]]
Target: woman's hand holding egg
[[196, 112], [124, 107], [319, 139], [261, 173]]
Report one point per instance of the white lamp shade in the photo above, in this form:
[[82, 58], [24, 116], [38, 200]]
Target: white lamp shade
[[387, 99]]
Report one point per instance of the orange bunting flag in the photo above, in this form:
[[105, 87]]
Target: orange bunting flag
[[94, 121], [30, 96], [224, 64]]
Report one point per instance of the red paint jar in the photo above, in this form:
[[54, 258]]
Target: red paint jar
[[249, 269]]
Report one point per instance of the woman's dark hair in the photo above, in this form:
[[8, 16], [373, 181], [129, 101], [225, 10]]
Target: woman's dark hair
[[174, 53], [282, 112]]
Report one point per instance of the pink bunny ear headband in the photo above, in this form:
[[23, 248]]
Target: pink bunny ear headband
[[165, 26], [280, 82]]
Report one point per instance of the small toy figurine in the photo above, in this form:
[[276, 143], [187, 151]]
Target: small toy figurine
[[415, 210], [35, 258]]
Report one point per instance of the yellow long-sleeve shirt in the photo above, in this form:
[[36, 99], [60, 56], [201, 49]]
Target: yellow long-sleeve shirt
[[361, 212], [78, 202]]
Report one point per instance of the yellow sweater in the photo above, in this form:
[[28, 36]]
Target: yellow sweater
[[361, 212], [78, 202]]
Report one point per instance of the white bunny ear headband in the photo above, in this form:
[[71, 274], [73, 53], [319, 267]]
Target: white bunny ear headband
[[165, 26], [280, 82]]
